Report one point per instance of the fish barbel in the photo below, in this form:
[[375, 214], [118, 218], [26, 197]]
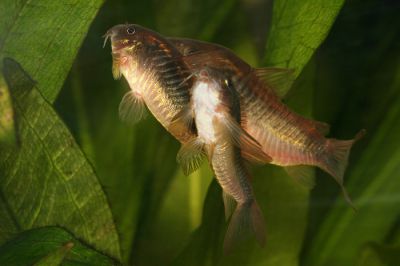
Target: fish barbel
[[216, 112], [157, 76], [288, 138]]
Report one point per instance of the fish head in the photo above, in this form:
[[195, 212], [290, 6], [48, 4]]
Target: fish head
[[124, 37], [126, 41], [214, 77]]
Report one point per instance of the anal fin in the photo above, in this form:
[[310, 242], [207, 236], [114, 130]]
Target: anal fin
[[303, 174]]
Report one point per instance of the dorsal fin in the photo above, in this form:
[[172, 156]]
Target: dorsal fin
[[278, 79]]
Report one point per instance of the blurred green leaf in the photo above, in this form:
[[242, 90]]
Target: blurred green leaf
[[343, 231], [379, 255], [7, 123], [194, 18], [297, 30], [50, 246], [47, 180], [205, 245], [44, 36], [56, 257]]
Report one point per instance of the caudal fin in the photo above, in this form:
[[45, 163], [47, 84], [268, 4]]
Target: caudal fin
[[336, 159], [246, 220]]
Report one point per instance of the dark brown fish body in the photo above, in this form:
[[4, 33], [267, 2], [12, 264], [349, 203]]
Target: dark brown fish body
[[156, 75], [287, 137]]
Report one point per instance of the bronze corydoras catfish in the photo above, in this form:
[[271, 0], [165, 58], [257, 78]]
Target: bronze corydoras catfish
[[287, 137], [216, 112], [157, 76]]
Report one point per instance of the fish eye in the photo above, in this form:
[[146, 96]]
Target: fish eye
[[130, 30]]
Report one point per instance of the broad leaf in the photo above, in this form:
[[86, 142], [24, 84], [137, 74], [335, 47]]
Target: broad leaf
[[297, 30], [135, 164], [47, 180], [44, 36], [50, 246]]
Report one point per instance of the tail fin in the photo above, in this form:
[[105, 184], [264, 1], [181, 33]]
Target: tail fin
[[246, 220], [337, 156]]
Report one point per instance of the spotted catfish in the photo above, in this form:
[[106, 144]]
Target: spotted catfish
[[290, 139]]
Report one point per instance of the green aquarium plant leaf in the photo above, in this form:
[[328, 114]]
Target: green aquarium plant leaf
[[44, 36], [297, 30], [193, 18], [373, 179], [375, 186], [50, 246], [205, 245], [7, 123], [379, 255], [48, 180], [56, 257]]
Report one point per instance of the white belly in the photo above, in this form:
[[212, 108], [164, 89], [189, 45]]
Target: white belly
[[205, 103]]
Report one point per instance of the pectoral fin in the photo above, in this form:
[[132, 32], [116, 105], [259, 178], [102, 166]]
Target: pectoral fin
[[278, 79], [251, 149], [132, 108], [190, 156]]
